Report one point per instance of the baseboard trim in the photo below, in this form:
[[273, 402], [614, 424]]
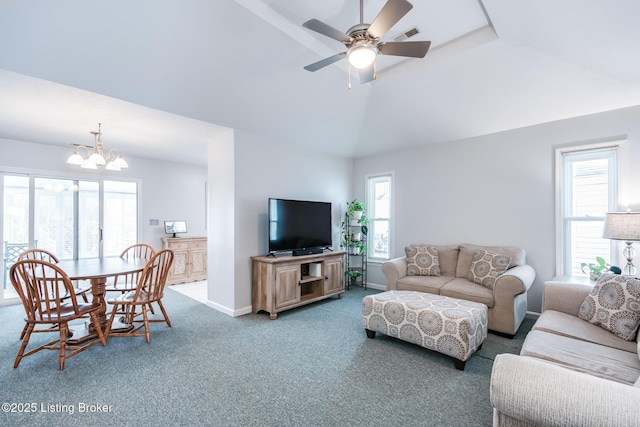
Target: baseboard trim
[[228, 311], [376, 286]]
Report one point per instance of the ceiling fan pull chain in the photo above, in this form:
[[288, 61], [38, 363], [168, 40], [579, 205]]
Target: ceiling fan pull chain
[[349, 75]]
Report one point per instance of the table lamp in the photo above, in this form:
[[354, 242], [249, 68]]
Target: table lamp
[[624, 226]]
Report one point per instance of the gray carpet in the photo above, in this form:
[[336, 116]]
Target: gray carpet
[[313, 366]]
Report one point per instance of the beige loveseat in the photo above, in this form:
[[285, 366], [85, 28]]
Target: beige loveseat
[[507, 301], [569, 372]]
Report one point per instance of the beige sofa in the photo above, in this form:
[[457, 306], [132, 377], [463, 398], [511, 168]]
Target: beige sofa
[[569, 372], [507, 301]]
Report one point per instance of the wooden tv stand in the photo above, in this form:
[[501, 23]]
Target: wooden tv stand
[[284, 282]]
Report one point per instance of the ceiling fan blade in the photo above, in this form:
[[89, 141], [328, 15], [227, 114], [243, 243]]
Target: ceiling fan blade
[[367, 74], [326, 61], [389, 15], [327, 30], [417, 49]]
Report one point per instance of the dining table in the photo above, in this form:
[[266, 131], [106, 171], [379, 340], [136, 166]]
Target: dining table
[[97, 271]]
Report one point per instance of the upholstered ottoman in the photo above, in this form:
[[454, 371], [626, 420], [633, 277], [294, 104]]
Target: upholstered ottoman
[[447, 325]]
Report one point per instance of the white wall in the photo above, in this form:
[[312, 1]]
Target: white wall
[[167, 190], [260, 168], [497, 189], [265, 168], [221, 240]]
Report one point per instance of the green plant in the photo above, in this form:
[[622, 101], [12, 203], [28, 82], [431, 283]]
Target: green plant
[[353, 274], [356, 244], [354, 206], [346, 235], [597, 268], [363, 221], [357, 206]]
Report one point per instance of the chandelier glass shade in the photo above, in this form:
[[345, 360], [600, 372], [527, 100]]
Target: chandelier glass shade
[[95, 157]]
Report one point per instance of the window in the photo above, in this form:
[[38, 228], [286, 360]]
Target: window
[[379, 203], [587, 189], [72, 218]]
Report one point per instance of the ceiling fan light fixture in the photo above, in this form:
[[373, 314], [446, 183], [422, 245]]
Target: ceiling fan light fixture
[[361, 55]]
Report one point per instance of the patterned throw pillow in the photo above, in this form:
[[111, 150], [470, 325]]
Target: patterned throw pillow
[[486, 267], [614, 305], [422, 260]]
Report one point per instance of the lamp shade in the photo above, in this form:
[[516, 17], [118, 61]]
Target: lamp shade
[[75, 159], [622, 226], [361, 56]]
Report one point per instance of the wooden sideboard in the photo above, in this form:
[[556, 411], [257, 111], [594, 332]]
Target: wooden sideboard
[[189, 259], [284, 282]]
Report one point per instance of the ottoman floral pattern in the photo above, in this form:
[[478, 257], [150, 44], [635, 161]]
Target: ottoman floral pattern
[[447, 325]]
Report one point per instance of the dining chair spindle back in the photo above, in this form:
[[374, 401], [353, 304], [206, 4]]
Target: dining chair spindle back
[[126, 282], [49, 301], [135, 303], [45, 255]]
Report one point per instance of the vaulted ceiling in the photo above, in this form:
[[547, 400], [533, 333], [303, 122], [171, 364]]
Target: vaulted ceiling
[[164, 76]]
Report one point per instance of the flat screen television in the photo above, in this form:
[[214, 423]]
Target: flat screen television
[[175, 226], [300, 226]]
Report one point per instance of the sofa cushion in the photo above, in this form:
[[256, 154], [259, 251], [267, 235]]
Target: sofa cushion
[[598, 360], [486, 267], [447, 257], [468, 251], [614, 304], [430, 284], [567, 325], [464, 289], [422, 260]]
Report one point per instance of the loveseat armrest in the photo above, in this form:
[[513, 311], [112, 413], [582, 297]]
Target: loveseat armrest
[[516, 280], [565, 297], [393, 270], [535, 392]]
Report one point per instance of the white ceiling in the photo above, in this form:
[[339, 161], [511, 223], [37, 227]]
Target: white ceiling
[[164, 76]]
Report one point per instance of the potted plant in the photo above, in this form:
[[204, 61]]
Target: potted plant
[[595, 269], [356, 247], [353, 275], [355, 209]]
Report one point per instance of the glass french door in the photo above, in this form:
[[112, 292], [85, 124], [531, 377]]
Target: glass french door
[[72, 218]]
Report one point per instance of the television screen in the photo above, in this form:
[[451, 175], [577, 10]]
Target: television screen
[[298, 224], [172, 227]]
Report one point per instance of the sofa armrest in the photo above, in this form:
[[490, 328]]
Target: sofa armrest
[[564, 296], [393, 270], [515, 281], [535, 392]]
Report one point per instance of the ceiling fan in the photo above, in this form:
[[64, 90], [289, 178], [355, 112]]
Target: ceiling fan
[[363, 40]]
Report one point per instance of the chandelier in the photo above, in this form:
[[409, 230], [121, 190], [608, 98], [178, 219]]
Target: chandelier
[[95, 157]]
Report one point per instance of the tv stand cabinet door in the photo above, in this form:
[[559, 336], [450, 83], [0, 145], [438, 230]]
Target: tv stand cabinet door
[[287, 289], [333, 276]]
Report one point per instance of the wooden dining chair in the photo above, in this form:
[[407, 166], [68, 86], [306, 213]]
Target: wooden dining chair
[[135, 303], [127, 282], [42, 287], [45, 255]]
